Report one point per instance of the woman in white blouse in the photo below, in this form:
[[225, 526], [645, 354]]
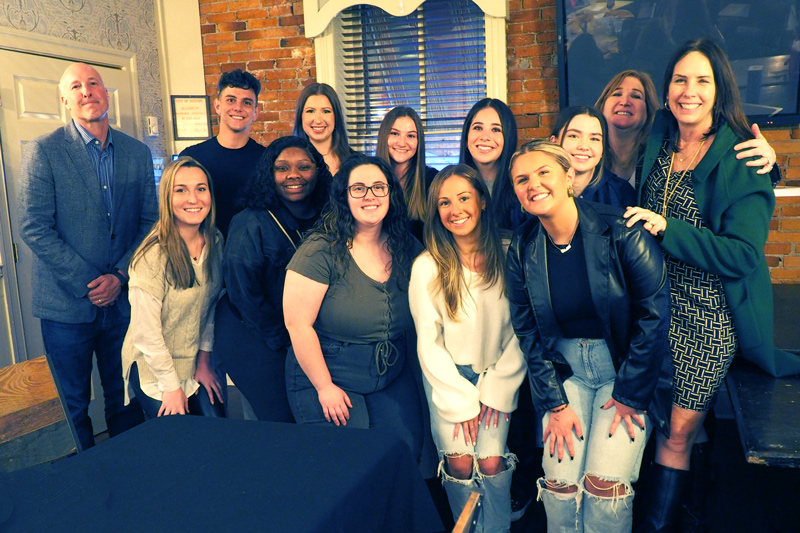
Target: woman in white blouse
[[471, 362], [175, 280]]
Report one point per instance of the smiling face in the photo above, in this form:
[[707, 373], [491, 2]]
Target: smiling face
[[402, 141], [625, 107], [191, 197], [460, 208], [485, 139], [237, 109], [318, 119], [370, 210], [295, 174], [540, 183], [692, 91], [582, 138], [84, 94]]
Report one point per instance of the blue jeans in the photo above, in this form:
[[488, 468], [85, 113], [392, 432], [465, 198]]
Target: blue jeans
[[380, 386], [495, 513], [71, 347], [199, 404], [615, 459]]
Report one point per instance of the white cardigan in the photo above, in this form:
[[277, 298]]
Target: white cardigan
[[481, 336]]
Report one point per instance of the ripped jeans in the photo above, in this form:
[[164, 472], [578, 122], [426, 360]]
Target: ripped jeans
[[495, 514], [614, 459]]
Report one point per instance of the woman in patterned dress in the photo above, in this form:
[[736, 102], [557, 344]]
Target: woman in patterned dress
[[711, 213]]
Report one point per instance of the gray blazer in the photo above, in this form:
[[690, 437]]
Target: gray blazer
[[63, 219]]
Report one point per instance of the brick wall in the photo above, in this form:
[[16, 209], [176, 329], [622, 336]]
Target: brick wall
[[266, 38]]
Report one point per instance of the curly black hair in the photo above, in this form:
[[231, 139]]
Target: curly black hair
[[261, 192], [338, 226]]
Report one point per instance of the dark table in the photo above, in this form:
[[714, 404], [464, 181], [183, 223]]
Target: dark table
[[187, 473]]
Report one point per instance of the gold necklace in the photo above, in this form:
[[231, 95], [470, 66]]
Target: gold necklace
[[669, 194]]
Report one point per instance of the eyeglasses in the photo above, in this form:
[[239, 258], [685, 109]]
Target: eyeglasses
[[379, 190]]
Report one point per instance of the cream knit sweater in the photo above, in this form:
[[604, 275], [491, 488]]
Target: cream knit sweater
[[482, 336], [185, 317]]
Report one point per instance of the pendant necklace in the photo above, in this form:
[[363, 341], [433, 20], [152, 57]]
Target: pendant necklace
[[561, 247], [669, 194]]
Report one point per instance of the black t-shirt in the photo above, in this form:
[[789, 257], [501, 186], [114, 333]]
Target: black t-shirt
[[230, 170], [570, 292]]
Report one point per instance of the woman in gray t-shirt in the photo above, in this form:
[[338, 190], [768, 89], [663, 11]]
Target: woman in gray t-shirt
[[346, 309]]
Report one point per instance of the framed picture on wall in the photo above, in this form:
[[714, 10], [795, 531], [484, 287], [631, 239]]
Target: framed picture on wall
[[191, 117]]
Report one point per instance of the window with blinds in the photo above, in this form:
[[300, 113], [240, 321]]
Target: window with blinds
[[432, 60]]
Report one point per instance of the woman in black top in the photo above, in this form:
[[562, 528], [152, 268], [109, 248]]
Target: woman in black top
[[590, 305], [282, 201]]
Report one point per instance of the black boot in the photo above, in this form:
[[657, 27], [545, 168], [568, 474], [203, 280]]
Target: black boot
[[662, 499], [693, 513]]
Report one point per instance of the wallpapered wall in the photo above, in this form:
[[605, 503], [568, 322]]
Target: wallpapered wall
[[119, 24]]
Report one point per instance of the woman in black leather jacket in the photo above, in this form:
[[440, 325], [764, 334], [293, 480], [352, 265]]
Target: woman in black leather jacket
[[590, 305], [282, 201]]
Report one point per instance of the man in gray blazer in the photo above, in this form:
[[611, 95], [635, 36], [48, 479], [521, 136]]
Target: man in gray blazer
[[88, 199]]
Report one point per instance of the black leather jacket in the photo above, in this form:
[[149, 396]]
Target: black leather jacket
[[630, 293]]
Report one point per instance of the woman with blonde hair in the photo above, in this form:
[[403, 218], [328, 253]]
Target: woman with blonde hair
[[175, 280], [590, 306], [471, 362]]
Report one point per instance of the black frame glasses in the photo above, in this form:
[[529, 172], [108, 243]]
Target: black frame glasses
[[368, 188]]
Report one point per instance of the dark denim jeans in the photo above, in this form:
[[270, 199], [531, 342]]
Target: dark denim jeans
[[387, 400], [71, 347], [199, 404]]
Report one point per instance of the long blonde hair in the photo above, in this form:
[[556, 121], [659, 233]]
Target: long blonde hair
[[442, 246], [179, 271]]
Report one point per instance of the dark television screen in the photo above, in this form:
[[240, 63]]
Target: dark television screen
[[597, 39]]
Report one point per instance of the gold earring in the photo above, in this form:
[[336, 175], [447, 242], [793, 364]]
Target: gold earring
[[570, 192]]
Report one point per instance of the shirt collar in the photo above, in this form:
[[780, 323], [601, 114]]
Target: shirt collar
[[88, 138]]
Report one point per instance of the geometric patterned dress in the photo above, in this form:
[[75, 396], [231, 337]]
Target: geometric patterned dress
[[702, 338]]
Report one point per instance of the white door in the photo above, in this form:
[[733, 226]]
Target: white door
[[30, 107]]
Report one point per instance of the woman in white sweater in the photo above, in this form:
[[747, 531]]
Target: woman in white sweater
[[471, 362], [175, 280]]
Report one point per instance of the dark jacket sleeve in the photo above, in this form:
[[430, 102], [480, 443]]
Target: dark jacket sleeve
[[546, 388], [250, 274], [648, 289]]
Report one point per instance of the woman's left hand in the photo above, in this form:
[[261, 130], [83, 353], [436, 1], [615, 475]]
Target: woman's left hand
[[626, 414], [207, 378], [757, 151], [487, 413], [653, 222]]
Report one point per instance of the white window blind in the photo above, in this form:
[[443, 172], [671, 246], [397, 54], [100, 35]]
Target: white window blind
[[432, 60]]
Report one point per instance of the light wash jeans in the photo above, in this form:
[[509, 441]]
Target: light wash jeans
[[608, 458], [495, 514]]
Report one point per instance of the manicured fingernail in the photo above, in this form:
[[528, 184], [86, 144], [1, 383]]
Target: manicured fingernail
[[571, 458], [581, 437], [610, 435], [559, 459], [631, 439]]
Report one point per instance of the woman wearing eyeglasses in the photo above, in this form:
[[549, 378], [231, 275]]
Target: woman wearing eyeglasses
[[346, 309]]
